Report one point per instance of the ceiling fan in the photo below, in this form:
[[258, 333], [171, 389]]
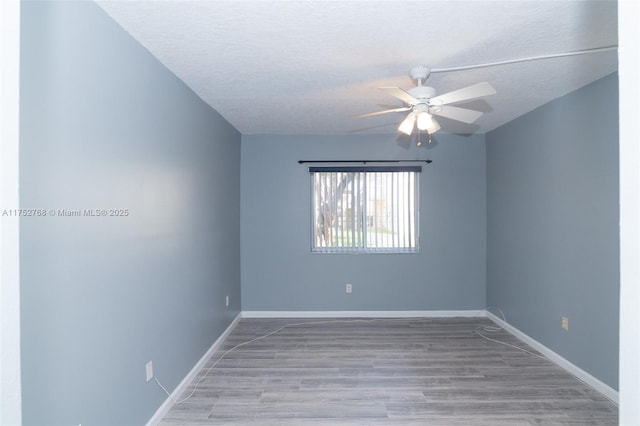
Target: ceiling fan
[[424, 104]]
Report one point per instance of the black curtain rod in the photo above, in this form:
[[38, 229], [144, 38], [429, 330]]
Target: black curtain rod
[[364, 161]]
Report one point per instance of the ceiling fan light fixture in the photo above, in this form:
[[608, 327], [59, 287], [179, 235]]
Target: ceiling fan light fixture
[[424, 121], [406, 126], [434, 126]]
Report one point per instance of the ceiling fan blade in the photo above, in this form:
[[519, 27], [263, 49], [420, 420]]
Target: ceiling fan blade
[[465, 94], [459, 114], [386, 111], [400, 94]]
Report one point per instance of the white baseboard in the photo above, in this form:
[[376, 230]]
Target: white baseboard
[[573, 369], [168, 403], [363, 314]]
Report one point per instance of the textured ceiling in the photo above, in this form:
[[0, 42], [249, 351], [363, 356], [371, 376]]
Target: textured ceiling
[[306, 67]]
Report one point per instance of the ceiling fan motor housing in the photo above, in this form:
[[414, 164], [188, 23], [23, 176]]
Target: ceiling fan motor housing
[[422, 92]]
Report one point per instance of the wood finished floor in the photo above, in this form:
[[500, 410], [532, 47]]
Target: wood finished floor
[[434, 371]]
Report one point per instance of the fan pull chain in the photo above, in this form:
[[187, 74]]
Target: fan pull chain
[[419, 142]]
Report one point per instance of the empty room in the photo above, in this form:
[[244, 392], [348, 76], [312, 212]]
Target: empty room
[[319, 212]]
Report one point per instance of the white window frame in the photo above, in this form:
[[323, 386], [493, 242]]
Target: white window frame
[[406, 241]]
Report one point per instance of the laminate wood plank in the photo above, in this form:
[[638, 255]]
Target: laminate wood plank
[[435, 371]]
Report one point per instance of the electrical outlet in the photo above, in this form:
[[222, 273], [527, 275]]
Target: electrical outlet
[[226, 301], [149, 370], [565, 323], [349, 288]]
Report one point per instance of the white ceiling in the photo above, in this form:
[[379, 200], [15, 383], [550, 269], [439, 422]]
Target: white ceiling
[[306, 67]]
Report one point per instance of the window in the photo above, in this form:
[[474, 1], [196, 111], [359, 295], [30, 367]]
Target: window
[[365, 209]]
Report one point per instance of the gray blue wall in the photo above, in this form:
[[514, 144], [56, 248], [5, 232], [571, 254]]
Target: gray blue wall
[[552, 225], [105, 125], [280, 273]]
